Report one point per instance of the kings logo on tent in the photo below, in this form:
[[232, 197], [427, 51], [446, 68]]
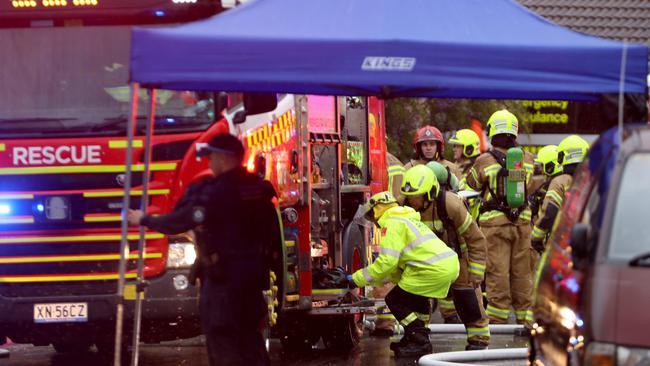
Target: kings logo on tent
[[379, 63]]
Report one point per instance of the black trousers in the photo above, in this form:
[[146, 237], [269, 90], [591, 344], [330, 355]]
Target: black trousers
[[231, 321], [232, 347], [410, 310]]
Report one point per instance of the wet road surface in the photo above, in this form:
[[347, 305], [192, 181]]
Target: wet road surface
[[371, 351]]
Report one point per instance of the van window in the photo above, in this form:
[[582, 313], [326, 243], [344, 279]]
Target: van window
[[589, 216], [630, 230]]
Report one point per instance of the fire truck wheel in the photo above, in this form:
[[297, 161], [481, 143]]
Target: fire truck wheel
[[354, 248], [72, 347], [342, 332]]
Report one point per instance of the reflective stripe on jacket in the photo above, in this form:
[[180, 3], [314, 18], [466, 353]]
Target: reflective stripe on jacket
[[411, 255]]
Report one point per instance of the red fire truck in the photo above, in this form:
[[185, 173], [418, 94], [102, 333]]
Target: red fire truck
[[64, 102], [325, 156]]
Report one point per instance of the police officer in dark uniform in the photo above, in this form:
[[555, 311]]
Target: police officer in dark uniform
[[236, 224]]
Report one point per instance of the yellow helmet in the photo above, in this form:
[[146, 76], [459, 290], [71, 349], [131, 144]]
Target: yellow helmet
[[547, 157], [420, 180], [572, 150], [469, 140], [367, 210], [382, 197], [501, 122]]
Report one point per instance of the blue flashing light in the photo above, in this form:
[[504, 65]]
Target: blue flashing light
[[170, 120], [572, 284], [40, 207], [579, 322], [5, 209], [159, 13]]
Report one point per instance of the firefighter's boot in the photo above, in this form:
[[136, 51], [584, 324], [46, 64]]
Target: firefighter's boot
[[475, 346], [417, 344], [394, 346], [454, 319]]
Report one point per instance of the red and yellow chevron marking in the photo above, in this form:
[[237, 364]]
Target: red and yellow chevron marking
[[274, 133]]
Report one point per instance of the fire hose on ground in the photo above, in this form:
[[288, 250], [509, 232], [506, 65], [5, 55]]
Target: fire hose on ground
[[471, 358]]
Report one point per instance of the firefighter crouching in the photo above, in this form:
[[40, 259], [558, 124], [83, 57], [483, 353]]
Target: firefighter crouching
[[234, 261], [569, 153], [507, 228], [412, 257], [451, 221]]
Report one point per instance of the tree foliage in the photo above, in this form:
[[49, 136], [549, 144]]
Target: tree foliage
[[405, 115]]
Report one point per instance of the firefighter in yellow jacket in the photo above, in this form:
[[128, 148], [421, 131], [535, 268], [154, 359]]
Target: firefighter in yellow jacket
[[507, 230], [570, 152], [411, 256], [451, 221]]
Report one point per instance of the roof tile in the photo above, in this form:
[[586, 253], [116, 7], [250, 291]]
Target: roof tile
[[613, 19]]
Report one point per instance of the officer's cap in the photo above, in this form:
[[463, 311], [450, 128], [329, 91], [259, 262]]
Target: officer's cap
[[223, 144]]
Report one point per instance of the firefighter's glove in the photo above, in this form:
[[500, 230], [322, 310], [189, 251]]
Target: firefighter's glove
[[475, 280], [351, 283], [538, 245]]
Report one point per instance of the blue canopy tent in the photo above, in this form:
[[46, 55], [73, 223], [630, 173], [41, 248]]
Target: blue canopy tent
[[389, 48]]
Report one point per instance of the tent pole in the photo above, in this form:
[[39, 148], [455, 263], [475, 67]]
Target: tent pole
[[124, 243], [140, 283], [621, 93]]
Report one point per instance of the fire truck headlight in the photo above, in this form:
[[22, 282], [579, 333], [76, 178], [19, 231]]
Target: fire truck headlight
[[181, 255], [180, 282], [5, 209]]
